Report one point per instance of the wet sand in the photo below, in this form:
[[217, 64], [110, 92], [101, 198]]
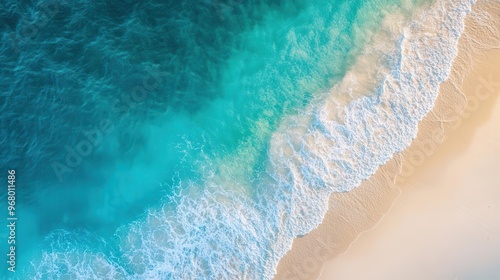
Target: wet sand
[[445, 224], [426, 178]]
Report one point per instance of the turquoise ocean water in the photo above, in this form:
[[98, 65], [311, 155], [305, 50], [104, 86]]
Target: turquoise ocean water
[[196, 139]]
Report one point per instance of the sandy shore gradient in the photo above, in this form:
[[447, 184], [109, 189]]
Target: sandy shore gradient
[[443, 225]]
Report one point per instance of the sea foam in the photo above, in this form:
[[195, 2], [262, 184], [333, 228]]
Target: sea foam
[[215, 231]]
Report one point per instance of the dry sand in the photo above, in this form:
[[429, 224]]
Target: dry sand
[[443, 226], [446, 222]]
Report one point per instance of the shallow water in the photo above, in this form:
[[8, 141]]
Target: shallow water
[[196, 139]]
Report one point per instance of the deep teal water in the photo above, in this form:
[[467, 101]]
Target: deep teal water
[[109, 108]]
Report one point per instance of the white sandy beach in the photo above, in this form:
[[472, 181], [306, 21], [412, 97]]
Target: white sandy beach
[[432, 211], [445, 224]]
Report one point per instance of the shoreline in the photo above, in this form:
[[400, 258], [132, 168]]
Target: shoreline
[[444, 223], [362, 209]]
